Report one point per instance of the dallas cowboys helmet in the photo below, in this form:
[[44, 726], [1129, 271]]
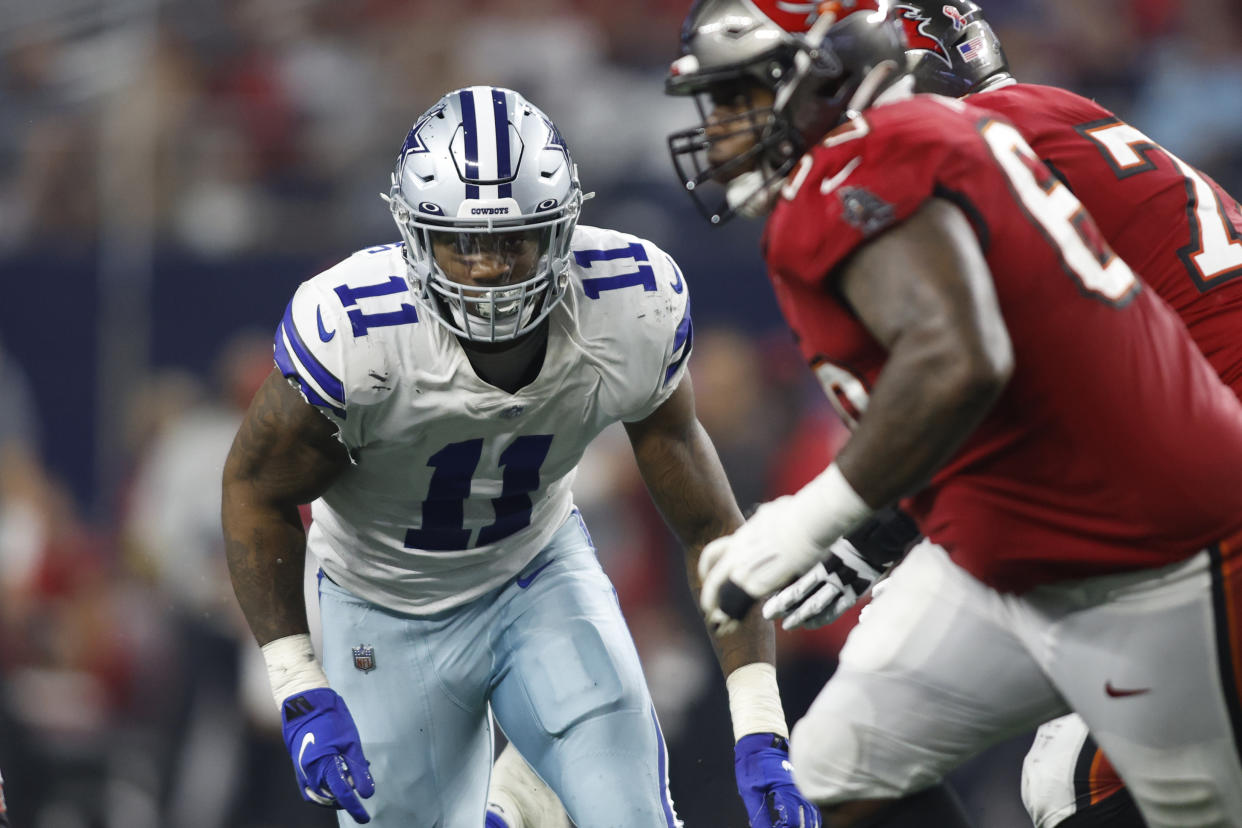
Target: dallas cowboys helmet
[[952, 49], [820, 60], [486, 197]]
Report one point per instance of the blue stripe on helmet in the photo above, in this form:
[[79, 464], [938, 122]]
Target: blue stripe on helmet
[[330, 385], [503, 169], [471, 125]]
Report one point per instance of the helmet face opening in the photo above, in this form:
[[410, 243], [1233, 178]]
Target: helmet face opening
[[807, 59], [486, 197], [725, 162], [488, 279]]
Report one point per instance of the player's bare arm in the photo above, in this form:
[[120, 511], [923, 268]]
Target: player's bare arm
[[285, 454], [924, 291], [683, 473], [688, 484]]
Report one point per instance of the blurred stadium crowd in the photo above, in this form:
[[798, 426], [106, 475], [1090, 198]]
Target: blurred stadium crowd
[[171, 169]]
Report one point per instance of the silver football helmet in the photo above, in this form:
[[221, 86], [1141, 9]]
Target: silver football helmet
[[952, 48], [820, 60], [486, 197]]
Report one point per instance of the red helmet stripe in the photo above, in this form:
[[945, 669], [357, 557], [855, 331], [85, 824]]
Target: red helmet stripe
[[798, 15]]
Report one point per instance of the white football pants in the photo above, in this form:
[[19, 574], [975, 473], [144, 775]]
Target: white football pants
[[550, 653], [943, 666]]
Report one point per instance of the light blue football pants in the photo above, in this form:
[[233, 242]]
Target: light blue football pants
[[556, 663]]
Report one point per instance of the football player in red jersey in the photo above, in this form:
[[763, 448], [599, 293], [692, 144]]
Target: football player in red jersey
[[1172, 222], [1073, 459]]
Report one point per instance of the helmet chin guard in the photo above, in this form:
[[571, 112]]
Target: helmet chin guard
[[486, 197]]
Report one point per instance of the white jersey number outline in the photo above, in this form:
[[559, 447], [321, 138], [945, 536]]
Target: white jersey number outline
[[1062, 217], [1214, 253]]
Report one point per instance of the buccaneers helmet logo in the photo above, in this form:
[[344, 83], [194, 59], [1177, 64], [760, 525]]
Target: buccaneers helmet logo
[[919, 35]]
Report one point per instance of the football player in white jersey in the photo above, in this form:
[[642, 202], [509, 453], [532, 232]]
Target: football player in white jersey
[[432, 399]]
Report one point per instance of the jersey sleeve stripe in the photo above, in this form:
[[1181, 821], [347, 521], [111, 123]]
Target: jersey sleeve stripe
[[294, 358], [683, 342], [290, 369]]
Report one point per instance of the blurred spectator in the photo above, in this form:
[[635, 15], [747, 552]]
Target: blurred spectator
[[67, 647], [1191, 101], [227, 763]]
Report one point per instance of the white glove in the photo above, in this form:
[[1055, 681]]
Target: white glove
[[783, 539], [764, 554], [824, 594], [855, 562]]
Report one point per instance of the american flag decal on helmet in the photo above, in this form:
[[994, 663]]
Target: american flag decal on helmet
[[973, 49], [364, 657]]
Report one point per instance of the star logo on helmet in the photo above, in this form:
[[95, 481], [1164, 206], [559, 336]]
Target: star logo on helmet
[[920, 38], [414, 140], [555, 141]]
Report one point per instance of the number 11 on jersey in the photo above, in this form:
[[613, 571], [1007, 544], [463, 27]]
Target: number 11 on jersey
[[443, 526]]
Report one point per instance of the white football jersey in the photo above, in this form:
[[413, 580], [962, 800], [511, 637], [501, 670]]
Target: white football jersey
[[455, 485]]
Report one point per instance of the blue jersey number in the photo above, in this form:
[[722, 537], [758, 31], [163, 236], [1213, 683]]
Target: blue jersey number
[[362, 322], [596, 285], [454, 465]]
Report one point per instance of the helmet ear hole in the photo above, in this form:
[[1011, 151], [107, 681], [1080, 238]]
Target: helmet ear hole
[[481, 176]]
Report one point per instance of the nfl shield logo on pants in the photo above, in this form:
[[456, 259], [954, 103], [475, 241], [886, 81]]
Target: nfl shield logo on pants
[[364, 658]]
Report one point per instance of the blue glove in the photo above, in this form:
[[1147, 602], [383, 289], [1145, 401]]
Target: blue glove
[[326, 751], [765, 781]]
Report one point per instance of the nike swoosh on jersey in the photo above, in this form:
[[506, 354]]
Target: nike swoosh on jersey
[[324, 334], [830, 184], [1117, 693], [530, 579], [679, 285]]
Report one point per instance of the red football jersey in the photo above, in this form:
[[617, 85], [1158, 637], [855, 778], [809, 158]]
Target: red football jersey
[[1173, 224], [1114, 447]]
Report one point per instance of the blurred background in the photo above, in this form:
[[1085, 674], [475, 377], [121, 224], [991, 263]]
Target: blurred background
[[170, 170]]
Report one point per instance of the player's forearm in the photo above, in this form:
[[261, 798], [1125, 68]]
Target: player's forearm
[[706, 510], [753, 641], [926, 402], [265, 547], [689, 487]]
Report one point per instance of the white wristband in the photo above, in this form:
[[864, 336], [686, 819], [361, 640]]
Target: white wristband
[[828, 506], [291, 666], [755, 701]]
